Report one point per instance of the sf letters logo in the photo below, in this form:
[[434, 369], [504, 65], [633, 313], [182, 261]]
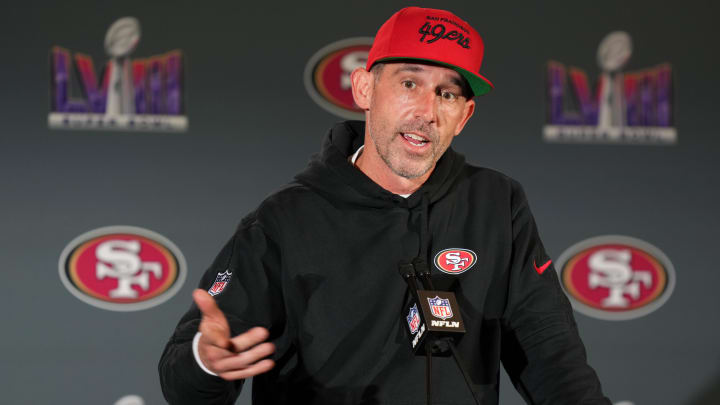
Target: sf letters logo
[[454, 260], [119, 259], [438, 31], [610, 268]]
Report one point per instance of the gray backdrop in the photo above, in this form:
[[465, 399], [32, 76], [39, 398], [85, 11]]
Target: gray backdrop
[[253, 125]]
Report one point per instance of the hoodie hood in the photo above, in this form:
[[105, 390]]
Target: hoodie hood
[[331, 174]]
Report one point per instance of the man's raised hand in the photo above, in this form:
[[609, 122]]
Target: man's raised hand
[[231, 358]]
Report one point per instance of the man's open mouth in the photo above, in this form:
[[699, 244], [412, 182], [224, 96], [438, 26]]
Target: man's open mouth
[[415, 139]]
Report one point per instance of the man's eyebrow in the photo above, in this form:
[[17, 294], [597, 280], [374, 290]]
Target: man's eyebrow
[[418, 68], [409, 68], [457, 81]]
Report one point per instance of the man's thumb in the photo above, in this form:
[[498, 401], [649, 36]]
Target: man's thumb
[[208, 306]]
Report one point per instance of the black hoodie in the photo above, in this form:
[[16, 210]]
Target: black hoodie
[[316, 264]]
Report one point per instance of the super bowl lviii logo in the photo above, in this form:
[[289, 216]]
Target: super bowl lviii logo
[[616, 277], [143, 94], [626, 107], [122, 268], [327, 75]]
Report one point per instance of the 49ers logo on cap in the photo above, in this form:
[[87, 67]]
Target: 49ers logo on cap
[[616, 277], [455, 261], [122, 268], [438, 31], [327, 75]]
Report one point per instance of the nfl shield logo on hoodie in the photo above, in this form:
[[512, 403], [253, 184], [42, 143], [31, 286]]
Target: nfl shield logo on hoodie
[[221, 281]]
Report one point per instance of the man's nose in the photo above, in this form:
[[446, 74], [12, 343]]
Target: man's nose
[[426, 107]]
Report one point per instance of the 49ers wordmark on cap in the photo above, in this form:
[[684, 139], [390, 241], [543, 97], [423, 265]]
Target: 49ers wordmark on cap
[[431, 35]]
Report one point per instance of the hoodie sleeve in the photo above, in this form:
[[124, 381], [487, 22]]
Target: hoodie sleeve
[[252, 297], [541, 348]]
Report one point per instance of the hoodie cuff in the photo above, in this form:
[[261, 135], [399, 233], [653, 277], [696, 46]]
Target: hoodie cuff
[[199, 362]]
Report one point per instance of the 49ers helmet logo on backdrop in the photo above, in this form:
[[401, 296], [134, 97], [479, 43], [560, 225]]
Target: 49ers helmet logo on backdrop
[[454, 260], [616, 277], [122, 268], [327, 75]]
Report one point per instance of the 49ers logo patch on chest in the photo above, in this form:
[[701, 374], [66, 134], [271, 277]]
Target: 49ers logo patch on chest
[[455, 260]]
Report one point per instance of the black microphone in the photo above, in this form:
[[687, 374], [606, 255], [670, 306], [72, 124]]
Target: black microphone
[[407, 272], [423, 273], [431, 314], [433, 319]]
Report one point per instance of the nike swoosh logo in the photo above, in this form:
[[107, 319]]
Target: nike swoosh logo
[[542, 268]]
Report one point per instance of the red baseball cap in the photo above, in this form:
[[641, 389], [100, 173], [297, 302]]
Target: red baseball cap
[[431, 35]]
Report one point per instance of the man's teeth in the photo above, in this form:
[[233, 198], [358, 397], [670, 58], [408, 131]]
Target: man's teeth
[[412, 137]]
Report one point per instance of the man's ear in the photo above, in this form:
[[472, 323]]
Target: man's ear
[[467, 113], [362, 86]]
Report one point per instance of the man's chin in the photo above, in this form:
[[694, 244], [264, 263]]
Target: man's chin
[[410, 172]]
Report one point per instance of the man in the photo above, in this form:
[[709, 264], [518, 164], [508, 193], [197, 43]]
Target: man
[[307, 298]]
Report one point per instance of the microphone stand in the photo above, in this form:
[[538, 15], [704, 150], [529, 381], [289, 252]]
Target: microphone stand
[[421, 269], [462, 368], [423, 273], [407, 271]]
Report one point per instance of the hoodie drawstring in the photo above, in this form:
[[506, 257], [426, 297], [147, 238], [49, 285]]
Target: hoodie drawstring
[[420, 262]]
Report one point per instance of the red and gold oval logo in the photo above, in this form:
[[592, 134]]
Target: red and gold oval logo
[[455, 261], [616, 277], [122, 268], [327, 75]]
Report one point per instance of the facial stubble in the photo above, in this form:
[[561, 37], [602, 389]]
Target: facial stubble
[[394, 156]]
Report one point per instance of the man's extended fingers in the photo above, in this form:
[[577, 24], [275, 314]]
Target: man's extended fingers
[[244, 359], [214, 334], [249, 339], [257, 368], [212, 354], [208, 306], [213, 326], [242, 356]]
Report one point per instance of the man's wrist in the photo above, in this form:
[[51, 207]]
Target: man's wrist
[[196, 354]]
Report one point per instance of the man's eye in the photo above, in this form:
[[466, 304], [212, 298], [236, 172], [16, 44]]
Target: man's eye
[[409, 84], [448, 95]]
